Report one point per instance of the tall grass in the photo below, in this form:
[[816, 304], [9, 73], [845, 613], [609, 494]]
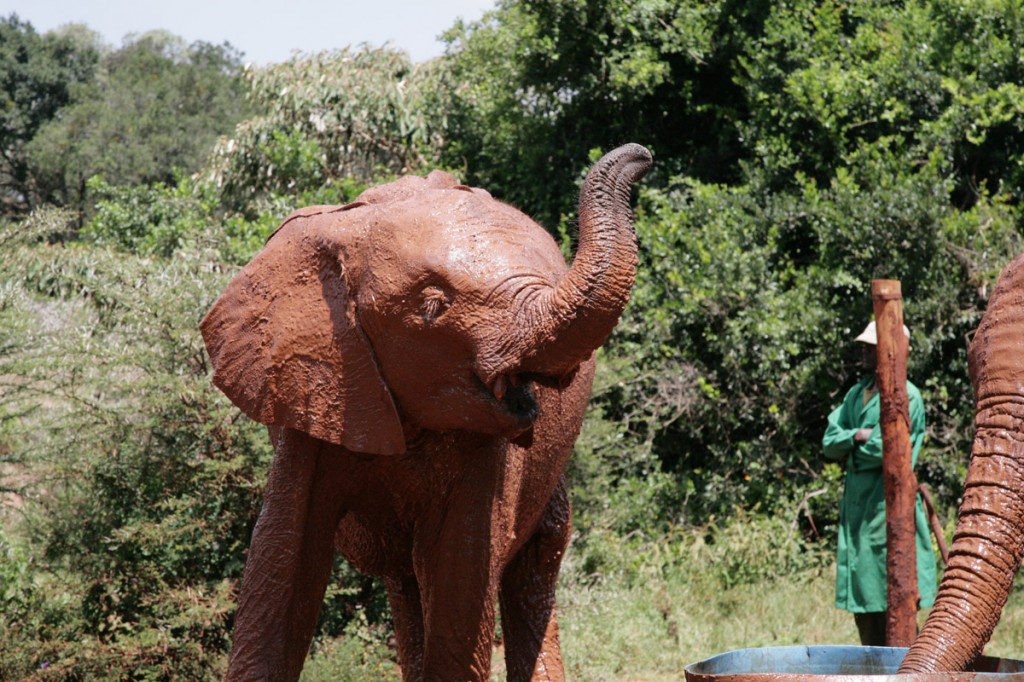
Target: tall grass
[[695, 593], [1008, 639], [652, 631], [632, 633]]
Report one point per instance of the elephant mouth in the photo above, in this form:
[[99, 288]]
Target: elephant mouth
[[514, 399]]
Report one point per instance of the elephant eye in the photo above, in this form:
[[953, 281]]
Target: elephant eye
[[435, 303]]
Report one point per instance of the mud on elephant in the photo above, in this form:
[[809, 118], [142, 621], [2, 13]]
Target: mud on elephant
[[423, 358], [988, 544]]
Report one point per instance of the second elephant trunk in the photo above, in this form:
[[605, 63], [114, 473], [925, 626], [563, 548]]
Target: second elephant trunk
[[986, 550], [989, 542], [579, 314]]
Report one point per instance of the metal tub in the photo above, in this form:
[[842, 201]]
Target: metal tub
[[837, 664]]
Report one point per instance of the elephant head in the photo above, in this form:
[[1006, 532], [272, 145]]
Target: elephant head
[[423, 304], [989, 541]]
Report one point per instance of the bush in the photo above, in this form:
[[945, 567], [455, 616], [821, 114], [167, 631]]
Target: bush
[[360, 655], [338, 116], [151, 481], [713, 391], [145, 480]]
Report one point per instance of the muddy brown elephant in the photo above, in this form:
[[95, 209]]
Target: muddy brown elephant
[[422, 358], [989, 540]]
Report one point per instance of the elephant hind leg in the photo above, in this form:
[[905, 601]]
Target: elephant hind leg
[[407, 611], [527, 595]]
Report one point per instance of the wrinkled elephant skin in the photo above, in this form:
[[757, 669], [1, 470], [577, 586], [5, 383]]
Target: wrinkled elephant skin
[[423, 358], [989, 540]]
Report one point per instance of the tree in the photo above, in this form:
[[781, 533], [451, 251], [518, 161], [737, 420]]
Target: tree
[[155, 109], [38, 75], [876, 148], [537, 85]]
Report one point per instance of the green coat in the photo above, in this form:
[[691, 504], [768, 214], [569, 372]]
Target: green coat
[[860, 564]]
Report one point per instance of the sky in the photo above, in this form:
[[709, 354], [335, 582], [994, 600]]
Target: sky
[[266, 31]]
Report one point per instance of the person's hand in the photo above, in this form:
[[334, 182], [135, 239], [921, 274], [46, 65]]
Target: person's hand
[[862, 436]]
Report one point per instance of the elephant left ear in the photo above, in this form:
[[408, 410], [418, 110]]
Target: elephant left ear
[[286, 346]]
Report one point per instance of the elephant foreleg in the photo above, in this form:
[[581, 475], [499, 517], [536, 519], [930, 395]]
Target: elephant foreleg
[[289, 563], [528, 618], [457, 559], [407, 611]]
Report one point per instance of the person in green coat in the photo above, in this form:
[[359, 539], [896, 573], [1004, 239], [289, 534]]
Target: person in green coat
[[853, 433]]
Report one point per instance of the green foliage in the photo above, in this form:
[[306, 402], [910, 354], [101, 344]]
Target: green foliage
[[34, 604], [360, 655], [714, 388], [322, 118], [642, 608], [144, 480], [151, 483], [157, 220], [825, 79], [743, 548], [38, 75], [148, 220], [155, 108], [737, 342], [535, 85]]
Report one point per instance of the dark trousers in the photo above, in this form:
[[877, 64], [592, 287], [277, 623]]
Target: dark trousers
[[871, 627]]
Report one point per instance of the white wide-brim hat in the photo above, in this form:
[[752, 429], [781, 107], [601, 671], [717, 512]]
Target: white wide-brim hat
[[870, 334]]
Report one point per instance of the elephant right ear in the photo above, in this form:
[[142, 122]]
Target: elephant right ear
[[286, 346]]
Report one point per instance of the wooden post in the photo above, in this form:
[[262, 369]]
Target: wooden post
[[897, 471]]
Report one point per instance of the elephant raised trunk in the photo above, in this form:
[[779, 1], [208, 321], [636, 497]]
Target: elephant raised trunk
[[987, 547], [581, 311]]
